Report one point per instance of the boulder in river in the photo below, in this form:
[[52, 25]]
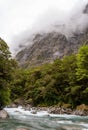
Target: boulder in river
[[34, 112], [3, 114], [22, 129]]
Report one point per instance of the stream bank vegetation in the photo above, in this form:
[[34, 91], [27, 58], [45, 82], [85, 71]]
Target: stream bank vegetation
[[61, 83]]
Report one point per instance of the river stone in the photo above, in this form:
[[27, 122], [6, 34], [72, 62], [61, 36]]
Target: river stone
[[3, 114], [22, 129], [70, 128], [34, 112]]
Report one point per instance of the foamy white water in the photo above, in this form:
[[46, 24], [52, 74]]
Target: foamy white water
[[42, 120]]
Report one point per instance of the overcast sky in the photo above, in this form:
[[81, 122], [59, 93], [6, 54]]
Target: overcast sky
[[17, 16]]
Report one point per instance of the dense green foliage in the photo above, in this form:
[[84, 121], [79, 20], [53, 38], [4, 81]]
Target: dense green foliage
[[6, 68], [63, 81], [82, 73]]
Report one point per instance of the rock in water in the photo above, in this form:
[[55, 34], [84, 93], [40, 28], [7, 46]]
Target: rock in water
[[22, 129], [3, 114], [34, 112]]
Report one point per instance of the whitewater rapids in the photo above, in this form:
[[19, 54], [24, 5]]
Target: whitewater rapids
[[42, 120]]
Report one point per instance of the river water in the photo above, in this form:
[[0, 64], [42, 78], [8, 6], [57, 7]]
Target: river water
[[20, 118]]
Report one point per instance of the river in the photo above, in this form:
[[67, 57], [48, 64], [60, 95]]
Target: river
[[42, 120]]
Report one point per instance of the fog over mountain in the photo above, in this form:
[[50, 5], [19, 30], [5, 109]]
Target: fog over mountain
[[21, 20]]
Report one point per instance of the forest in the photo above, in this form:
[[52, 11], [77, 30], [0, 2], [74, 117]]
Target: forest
[[65, 81]]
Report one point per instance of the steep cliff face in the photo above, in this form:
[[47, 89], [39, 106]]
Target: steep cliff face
[[44, 49], [86, 9], [48, 46]]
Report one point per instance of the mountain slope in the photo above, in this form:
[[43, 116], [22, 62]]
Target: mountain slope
[[49, 46], [46, 47]]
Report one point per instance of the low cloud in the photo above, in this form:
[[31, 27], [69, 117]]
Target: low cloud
[[28, 18]]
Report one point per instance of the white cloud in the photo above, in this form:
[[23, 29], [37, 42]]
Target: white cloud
[[17, 16]]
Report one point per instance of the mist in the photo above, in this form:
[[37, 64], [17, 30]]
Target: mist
[[63, 16]]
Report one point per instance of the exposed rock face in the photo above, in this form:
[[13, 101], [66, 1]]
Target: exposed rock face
[[44, 49], [3, 114], [49, 46], [86, 9]]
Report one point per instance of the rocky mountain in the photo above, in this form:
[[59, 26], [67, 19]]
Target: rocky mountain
[[86, 9], [47, 47]]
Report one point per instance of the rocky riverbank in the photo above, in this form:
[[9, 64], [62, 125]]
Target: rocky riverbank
[[68, 111], [60, 110], [81, 110], [3, 114]]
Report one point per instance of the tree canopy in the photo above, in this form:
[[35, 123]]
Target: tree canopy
[[65, 81], [6, 68]]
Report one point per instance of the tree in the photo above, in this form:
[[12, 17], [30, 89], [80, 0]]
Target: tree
[[82, 63], [6, 67], [82, 73]]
